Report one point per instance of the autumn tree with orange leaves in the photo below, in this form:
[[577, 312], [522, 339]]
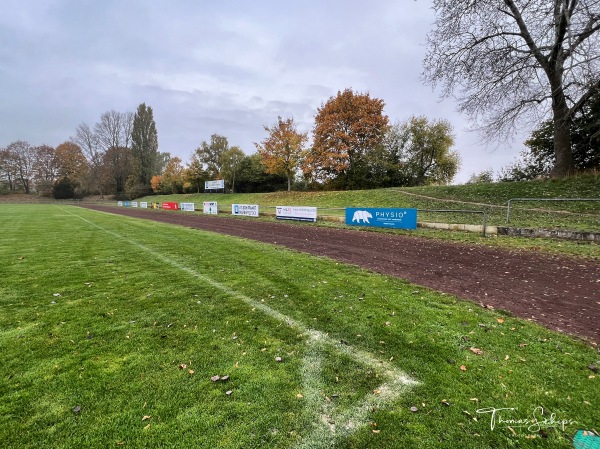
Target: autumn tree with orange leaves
[[283, 149], [348, 128]]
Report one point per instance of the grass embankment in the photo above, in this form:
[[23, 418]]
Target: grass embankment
[[492, 198], [111, 329], [583, 216]]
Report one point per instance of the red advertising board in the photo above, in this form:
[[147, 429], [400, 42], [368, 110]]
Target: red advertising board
[[170, 206]]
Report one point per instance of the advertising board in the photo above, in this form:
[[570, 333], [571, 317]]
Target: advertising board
[[167, 205], [214, 185], [134, 204], [120, 203], [144, 205], [188, 207], [299, 213], [210, 207], [382, 217], [249, 210]]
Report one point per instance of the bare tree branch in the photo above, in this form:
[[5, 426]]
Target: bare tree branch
[[512, 63]]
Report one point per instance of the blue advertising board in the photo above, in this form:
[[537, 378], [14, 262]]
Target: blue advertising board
[[382, 218]]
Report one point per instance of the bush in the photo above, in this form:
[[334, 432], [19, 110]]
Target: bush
[[64, 189]]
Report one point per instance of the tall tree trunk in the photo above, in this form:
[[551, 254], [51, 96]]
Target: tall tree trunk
[[564, 164], [24, 183]]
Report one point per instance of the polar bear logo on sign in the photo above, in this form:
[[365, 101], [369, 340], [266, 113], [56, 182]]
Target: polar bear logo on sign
[[361, 215]]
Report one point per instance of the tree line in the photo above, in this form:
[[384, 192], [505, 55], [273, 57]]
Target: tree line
[[353, 147], [117, 156]]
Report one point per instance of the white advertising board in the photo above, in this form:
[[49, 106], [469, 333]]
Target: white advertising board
[[144, 205], [210, 207], [188, 207], [214, 185], [300, 213], [134, 204], [120, 203], [249, 210]]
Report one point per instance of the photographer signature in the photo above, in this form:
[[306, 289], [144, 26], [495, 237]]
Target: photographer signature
[[537, 421]]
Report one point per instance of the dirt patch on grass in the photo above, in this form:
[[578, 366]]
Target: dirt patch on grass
[[559, 292]]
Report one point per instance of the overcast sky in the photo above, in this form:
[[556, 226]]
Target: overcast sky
[[224, 67]]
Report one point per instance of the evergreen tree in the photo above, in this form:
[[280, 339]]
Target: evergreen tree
[[144, 146]]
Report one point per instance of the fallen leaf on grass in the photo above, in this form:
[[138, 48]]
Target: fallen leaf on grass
[[278, 359], [215, 378], [463, 368], [146, 427], [228, 392], [146, 417], [224, 378], [299, 396], [191, 371], [500, 320], [376, 431], [182, 366], [476, 350], [76, 409], [414, 409]]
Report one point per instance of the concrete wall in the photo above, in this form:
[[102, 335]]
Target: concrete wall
[[555, 233]]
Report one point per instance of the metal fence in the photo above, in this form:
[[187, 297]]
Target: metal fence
[[544, 199]]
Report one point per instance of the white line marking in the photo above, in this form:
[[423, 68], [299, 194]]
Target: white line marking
[[329, 424]]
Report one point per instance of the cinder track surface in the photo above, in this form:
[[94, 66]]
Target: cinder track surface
[[561, 293]]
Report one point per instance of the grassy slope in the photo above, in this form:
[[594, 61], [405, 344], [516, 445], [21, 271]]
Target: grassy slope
[[494, 196], [139, 299], [447, 197]]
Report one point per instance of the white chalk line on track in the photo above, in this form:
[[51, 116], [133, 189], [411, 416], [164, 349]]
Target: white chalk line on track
[[329, 423]]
